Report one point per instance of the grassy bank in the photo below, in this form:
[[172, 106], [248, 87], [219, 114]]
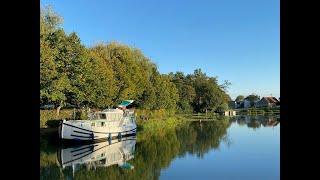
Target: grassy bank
[[150, 123], [159, 126], [209, 115], [260, 111], [160, 114], [49, 118]]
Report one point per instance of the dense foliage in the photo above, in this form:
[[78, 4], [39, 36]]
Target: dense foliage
[[199, 93], [252, 98], [239, 98], [103, 75]]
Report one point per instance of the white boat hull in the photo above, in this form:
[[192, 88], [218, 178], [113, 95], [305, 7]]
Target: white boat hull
[[83, 131]]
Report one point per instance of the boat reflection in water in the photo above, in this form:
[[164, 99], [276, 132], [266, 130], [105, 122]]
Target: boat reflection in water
[[103, 154]]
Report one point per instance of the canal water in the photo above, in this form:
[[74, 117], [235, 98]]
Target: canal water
[[242, 147]]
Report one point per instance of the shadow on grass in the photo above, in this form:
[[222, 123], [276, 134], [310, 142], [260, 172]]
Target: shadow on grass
[[139, 127], [53, 123]]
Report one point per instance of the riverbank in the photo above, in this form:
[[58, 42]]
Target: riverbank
[[50, 119], [147, 120], [259, 111], [158, 127]]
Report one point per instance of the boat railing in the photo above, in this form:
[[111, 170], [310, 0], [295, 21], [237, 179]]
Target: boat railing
[[121, 121]]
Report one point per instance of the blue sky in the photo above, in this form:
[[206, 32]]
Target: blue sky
[[236, 40]]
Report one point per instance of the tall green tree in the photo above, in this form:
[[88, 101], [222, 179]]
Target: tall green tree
[[54, 84], [186, 91], [166, 92], [131, 69], [252, 98], [239, 98], [209, 94], [105, 74]]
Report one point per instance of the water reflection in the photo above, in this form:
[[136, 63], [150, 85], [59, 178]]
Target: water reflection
[[103, 154], [257, 121], [199, 138], [148, 154]]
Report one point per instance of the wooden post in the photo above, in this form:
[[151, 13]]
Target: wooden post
[[206, 113], [119, 136], [109, 138]]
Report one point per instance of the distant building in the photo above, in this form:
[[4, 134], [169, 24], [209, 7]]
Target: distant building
[[268, 102], [239, 104], [230, 113], [246, 103]]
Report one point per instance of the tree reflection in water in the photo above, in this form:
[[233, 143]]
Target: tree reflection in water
[[256, 122], [156, 152]]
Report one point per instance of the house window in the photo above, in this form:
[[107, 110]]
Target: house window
[[93, 124], [102, 124]]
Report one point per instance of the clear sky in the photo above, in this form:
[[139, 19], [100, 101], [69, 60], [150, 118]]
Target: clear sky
[[236, 40]]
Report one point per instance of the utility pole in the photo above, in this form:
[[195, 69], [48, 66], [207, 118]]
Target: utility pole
[[74, 114]]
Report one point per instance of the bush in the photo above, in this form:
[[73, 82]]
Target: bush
[[51, 115], [49, 118], [156, 127], [53, 123], [154, 114]]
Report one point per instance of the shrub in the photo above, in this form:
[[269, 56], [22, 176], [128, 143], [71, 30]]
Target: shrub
[[49, 118], [154, 114]]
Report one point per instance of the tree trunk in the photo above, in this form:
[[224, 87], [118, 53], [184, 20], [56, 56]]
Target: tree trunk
[[58, 110]]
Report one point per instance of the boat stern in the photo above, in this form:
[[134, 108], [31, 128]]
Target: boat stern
[[60, 128]]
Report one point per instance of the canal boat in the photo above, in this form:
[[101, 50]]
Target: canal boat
[[102, 125]]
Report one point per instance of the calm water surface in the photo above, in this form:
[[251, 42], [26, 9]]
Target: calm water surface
[[238, 148]]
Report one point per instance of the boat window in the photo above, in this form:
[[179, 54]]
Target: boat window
[[93, 124], [102, 123], [102, 161], [103, 116]]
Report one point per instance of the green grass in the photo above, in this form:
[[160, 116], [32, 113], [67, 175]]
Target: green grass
[[260, 111], [158, 127], [209, 115], [143, 114], [49, 118], [156, 122]]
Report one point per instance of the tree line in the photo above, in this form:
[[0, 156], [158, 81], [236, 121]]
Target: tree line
[[102, 75]]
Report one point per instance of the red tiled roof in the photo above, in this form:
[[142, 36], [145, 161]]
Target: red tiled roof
[[271, 100]]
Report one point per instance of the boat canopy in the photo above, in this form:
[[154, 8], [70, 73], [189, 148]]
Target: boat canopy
[[125, 103]]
